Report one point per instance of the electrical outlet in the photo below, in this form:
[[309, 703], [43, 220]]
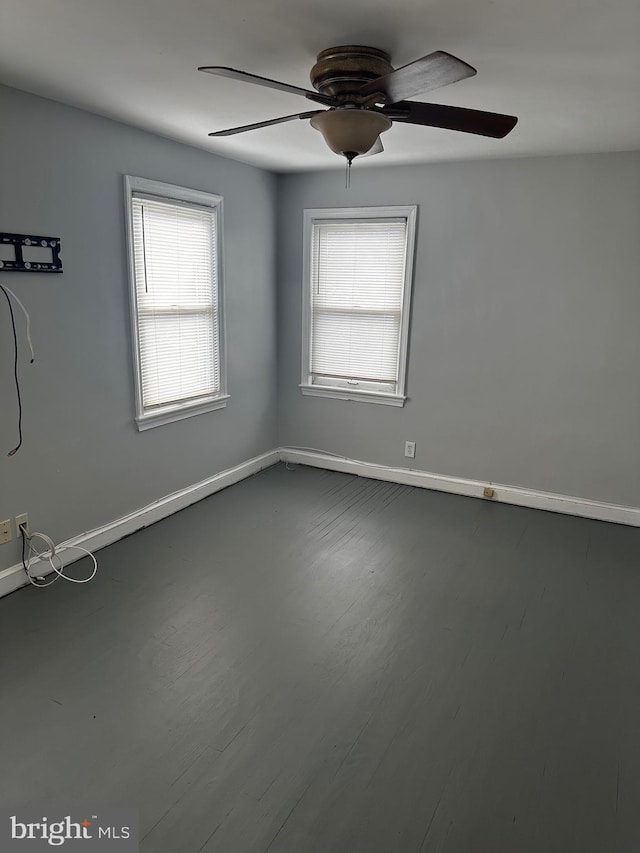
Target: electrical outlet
[[22, 519], [488, 492], [410, 449], [5, 531]]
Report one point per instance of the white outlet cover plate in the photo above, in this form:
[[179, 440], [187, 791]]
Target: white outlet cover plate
[[5, 531]]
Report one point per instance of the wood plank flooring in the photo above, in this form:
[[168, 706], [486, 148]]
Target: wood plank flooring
[[309, 662]]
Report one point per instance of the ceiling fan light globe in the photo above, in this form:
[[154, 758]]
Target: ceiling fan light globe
[[353, 131]]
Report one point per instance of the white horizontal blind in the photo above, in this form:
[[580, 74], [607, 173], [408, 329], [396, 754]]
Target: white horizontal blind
[[357, 289], [175, 265]]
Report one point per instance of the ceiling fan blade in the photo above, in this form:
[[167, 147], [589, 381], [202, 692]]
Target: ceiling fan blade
[[376, 148], [465, 120], [234, 74], [430, 72], [230, 131]]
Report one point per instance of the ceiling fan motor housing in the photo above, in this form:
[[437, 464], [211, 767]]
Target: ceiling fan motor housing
[[341, 71]]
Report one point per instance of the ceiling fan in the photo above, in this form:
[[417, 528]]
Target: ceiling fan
[[364, 94]]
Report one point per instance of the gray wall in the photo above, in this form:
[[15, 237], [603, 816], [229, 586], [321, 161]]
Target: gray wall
[[83, 463], [524, 346]]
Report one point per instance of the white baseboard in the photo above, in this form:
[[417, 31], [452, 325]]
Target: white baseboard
[[471, 488], [14, 577]]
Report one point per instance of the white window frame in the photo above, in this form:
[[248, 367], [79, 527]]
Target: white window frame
[[311, 216], [182, 409]]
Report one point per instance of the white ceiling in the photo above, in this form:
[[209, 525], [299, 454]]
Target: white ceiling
[[570, 69]]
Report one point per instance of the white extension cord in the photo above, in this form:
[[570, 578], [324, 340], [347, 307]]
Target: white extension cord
[[26, 316], [50, 555]]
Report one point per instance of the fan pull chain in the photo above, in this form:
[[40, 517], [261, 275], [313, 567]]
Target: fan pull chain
[[348, 155]]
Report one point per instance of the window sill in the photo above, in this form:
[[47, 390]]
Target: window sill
[[168, 414], [359, 396]]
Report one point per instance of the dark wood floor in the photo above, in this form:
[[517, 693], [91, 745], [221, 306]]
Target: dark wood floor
[[309, 662]]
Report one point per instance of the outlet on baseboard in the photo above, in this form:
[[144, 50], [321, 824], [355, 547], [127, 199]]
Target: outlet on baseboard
[[22, 519], [5, 531]]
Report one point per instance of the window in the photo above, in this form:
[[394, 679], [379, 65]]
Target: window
[[358, 270], [176, 300]]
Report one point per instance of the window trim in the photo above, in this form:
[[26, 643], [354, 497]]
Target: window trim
[[312, 215], [159, 415]]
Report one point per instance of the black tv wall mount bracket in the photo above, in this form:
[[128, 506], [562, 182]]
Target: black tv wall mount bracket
[[31, 253]]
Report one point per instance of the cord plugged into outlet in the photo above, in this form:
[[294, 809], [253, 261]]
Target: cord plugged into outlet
[[31, 556], [22, 523]]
